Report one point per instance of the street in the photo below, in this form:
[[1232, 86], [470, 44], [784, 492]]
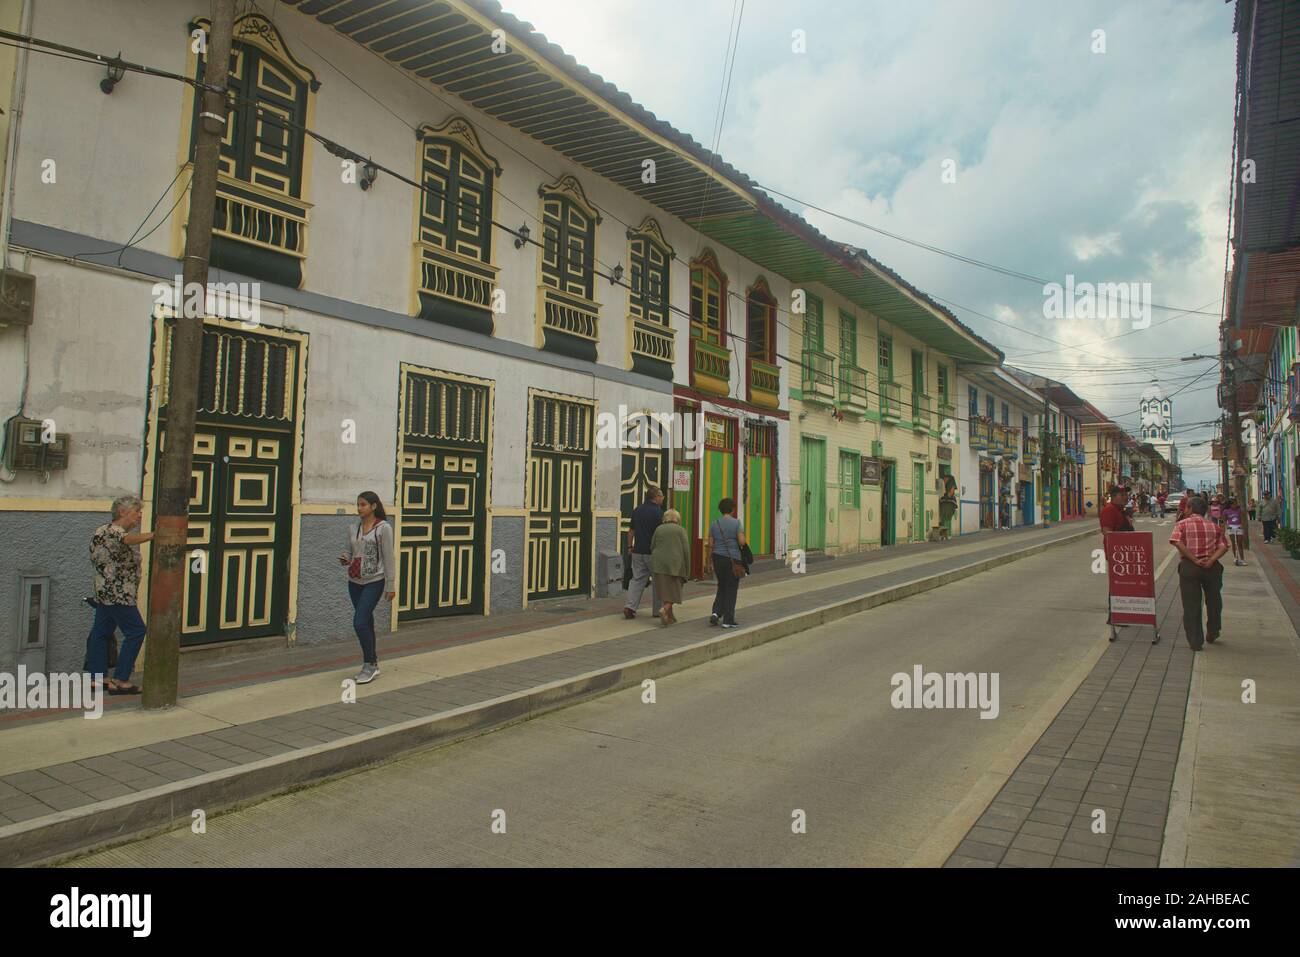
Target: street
[[714, 771]]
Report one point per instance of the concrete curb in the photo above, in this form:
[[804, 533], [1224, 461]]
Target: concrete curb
[[65, 834]]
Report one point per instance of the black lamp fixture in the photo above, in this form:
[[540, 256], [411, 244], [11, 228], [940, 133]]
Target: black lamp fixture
[[616, 275], [114, 75], [521, 236], [369, 172]]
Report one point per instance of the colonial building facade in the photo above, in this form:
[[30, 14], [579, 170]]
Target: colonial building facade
[[496, 350], [874, 414], [1001, 457]]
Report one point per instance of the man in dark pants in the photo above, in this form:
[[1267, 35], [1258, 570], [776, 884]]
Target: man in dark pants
[[1201, 543], [646, 517]]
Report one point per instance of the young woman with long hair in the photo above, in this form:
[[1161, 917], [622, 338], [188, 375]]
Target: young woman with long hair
[[371, 567]]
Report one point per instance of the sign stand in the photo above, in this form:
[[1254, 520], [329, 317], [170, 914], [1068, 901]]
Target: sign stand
[[1130, 571]]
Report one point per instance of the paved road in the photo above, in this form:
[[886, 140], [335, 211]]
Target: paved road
[[713, 772]]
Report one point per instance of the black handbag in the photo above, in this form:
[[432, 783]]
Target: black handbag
[[627, 569], [746, 555]]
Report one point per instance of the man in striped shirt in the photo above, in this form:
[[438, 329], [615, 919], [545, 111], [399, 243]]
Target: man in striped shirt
[[1201, 543]]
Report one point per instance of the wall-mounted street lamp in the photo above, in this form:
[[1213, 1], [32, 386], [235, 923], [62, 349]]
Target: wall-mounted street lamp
[[369, 173], [521, 236], [115, 72], [616, 275]]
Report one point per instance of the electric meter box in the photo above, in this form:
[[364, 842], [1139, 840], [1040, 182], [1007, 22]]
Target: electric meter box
[[25, 452]]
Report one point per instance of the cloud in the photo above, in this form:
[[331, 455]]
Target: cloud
[[1112, 167]]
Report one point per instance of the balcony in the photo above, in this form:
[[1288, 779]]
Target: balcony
[[981, 432], [947, 411], [259, 232], [1031, 449], [854, 395], [764, 383], [891, 401], [922, 412], [710, 367], [455, 289], [818, 377], [1009, 441], [568, 323], [653, 348]]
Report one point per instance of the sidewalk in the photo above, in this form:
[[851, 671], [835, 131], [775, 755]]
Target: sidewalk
[[1159, 739], [246, 730], [1240, 764]]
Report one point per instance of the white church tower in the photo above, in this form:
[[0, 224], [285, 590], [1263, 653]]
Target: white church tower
[[1157, 422]]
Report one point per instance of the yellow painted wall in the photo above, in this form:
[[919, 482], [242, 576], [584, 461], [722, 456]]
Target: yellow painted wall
[[856, 529]]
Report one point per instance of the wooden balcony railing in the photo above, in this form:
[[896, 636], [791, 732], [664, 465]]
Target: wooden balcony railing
[[981, 432], [891, 401], [818, 377], [855, 396], [922, 412], [652, 340], [710, 367], [764, 383]]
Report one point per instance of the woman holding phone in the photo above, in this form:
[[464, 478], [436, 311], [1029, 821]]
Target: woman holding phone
[[370, 565]]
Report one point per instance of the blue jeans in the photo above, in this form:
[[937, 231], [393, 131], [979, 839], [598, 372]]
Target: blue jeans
[[364, 600], [107, 619]]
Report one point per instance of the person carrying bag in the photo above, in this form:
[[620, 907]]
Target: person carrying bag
[[729, 551]]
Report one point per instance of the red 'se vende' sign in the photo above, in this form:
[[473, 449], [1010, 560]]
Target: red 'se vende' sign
[[1130, 566]]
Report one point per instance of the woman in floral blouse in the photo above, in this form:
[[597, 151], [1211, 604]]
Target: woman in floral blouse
[[117, 584]]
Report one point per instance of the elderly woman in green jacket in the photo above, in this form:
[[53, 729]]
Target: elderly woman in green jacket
[[670, 563]]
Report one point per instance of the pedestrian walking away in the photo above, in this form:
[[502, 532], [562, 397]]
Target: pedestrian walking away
[[646, 517], [1234, 522], [370, 567], [1270, 510], [670, 563], [1201, 543], [115, 554], [727, 547]]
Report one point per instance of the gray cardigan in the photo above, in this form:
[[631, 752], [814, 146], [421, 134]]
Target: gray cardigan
[[375, 549]]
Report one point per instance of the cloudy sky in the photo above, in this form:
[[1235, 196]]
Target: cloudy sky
[[1108, 166]]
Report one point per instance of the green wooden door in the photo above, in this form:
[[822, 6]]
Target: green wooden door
[[443, 478], [559, 541], [919, 521], [645, 463], [719, 480], [240, 514], [760, 451], [812, 474]]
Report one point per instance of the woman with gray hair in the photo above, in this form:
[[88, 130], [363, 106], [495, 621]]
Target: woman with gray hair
[[117, 586], [670, 563]]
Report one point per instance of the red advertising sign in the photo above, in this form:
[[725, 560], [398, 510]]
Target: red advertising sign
[[1130, 566]]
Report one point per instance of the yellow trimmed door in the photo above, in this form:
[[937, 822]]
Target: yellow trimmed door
[[443, 481]]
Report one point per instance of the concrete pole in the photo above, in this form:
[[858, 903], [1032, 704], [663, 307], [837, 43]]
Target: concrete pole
[[171, 524]]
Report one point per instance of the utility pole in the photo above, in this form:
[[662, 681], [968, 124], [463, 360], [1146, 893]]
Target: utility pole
[[171, 522]]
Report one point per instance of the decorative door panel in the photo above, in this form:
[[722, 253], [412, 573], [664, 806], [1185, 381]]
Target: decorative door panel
[[645, 463], [760, 485], [240, 514], [719, 479], [559, 496], [812, 475], [443, 483]]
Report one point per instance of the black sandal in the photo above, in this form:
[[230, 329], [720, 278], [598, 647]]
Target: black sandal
[[123, 689]]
